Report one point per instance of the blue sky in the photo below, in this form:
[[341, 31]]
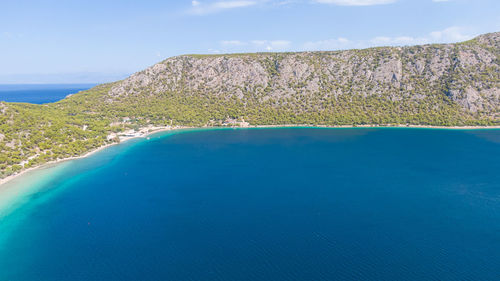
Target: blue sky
[[69, 41]]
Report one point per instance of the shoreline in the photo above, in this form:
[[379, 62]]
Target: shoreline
[[55, 162], [371, 126], [145, 132]]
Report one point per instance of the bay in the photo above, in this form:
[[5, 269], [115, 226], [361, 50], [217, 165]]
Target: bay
[[264, 204], [39, 93]]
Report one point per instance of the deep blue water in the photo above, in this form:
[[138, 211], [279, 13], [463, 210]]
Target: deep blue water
[[39, 93], [267, 204]]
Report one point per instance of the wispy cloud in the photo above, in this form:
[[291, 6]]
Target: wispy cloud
[[451, 34], [232, 43], [448, 35], [329, 44], [275, 45], [62, 78], [355, 2], [201, 8], [229, 46], [9, 35], [285, 2]]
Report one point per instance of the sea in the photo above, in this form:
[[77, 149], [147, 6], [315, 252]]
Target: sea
[[39, 93], [262, 204]]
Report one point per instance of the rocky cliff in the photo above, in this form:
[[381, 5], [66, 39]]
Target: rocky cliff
[[467, 74], [440, 85]]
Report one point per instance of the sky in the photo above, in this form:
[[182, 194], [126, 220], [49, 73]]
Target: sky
[[95, 41]]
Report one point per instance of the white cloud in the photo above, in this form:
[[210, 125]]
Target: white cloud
[[441, 0], [232, 43], [202, 7], [329, 44], [255, 45], [448, 35], [258, 42], [10, 35], [62, 78], [397, 41], [356, 2], [199, 8], [278, 45], [275, 45], [233, 4]]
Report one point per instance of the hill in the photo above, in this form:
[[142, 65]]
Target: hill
[[437, 85]]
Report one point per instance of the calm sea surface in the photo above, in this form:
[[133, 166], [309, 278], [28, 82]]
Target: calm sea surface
[[264, 204], [40, 93]]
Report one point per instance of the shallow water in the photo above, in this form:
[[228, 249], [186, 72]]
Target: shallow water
[[264, 204]]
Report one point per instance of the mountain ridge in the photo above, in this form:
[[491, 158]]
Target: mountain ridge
[[435, 84], [390, 71]]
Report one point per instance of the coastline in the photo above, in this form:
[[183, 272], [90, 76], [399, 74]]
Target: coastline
[[376, 127], [145, 132], [55, 162]]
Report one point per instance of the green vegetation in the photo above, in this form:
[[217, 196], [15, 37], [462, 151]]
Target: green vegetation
[[336, 88]]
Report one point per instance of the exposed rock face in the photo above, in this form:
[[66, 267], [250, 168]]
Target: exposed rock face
[[438, 85], [468, 73], [3, 107]]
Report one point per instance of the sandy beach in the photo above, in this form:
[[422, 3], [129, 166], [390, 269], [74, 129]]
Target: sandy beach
[[378, 126], [123, 138], [144, 132]]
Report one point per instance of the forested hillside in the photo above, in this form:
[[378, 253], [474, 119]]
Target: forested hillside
[[441, 85]]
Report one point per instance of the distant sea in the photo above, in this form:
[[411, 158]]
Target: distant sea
[[263, 204], [39, 93]]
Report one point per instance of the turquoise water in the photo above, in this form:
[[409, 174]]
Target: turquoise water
[[264, 204], [39, 93]]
